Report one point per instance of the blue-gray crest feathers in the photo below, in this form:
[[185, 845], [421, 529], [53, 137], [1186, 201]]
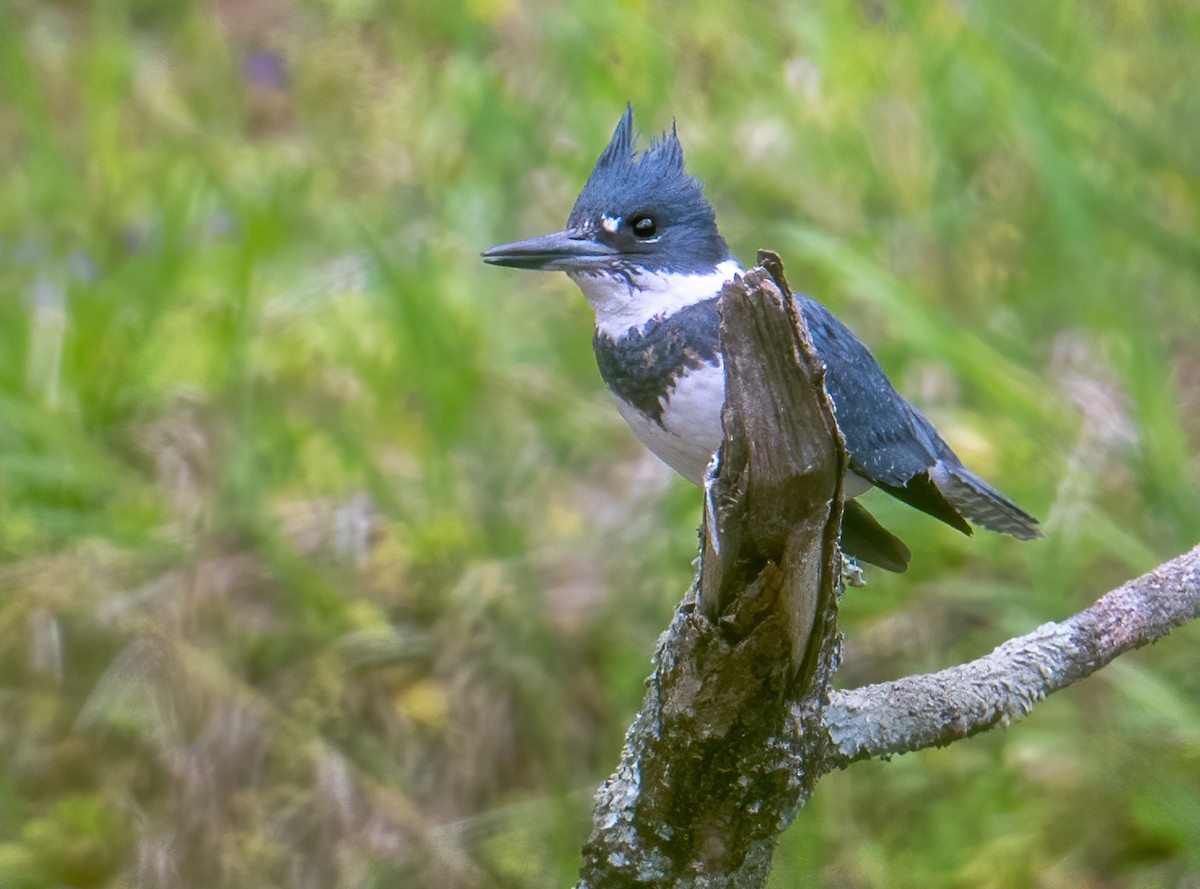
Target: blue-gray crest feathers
[[626, 182]]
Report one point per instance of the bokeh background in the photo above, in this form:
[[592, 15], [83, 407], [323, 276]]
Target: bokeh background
[[325, 560]]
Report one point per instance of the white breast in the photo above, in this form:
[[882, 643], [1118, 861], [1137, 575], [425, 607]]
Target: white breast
[[691, 423], [691, 427], [691, 430]]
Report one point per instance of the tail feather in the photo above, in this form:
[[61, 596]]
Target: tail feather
[[864, 538], [982, 504]]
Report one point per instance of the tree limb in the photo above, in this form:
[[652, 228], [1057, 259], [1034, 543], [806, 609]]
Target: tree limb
[[709, 775], [934, 709], [739, 721]]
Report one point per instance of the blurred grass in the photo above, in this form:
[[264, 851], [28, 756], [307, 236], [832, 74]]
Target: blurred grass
[[326, 560]]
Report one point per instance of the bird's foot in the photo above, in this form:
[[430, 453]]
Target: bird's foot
[[852, 575], [710, 502]]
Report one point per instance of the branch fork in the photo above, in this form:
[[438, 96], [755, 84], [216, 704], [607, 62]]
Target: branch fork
[[740, 720]]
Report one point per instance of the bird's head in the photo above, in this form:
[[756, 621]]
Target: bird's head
[[640, 212]]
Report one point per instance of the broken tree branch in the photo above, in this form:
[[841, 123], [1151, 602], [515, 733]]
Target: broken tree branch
[[709, 776], [739, 721]]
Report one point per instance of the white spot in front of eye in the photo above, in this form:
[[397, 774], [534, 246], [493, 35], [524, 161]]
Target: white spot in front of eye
[[611, 223]]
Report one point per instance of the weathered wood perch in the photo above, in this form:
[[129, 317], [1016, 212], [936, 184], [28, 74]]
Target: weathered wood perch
[[711, 771], [739, 721]]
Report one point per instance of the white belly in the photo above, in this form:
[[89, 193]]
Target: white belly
[[691, 427], [691, 430]]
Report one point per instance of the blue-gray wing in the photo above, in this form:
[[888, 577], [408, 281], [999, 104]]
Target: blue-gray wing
[[894, 445]]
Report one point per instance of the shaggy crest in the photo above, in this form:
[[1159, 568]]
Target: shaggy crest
[[665, 155], [624, 180], [627, 182]]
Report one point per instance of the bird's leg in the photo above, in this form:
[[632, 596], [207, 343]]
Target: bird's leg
[[852, 575], [710, 503]]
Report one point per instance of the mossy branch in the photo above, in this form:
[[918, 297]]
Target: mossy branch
[[712, 770]]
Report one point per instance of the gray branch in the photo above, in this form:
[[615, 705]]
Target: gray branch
[[937, 708], [740, 721]]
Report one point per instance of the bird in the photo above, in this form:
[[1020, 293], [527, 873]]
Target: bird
[[643, 246]]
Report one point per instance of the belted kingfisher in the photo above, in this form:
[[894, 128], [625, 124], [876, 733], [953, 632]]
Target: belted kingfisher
[[643, 246]]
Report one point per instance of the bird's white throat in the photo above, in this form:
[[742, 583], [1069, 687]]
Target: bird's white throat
[[630, 299]]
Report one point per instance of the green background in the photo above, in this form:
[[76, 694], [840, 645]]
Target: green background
[[325, 559]]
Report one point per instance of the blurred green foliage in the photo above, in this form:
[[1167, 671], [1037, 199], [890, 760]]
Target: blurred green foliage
[[327, 562]]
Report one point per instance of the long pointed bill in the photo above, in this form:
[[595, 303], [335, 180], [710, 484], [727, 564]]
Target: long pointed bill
[[566, 251]]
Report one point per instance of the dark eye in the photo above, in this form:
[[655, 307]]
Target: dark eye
[[644, 227]]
